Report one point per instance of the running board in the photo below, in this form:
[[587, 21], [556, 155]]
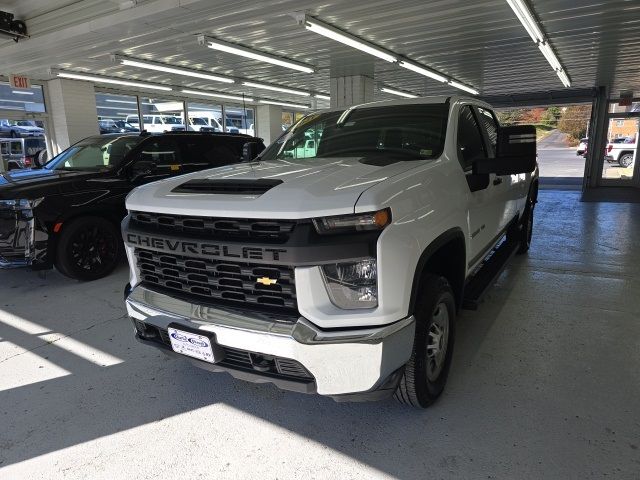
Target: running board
[[491, 268]]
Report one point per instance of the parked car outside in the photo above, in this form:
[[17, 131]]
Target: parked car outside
[[108, 125], [582, 146], [157, 123], [20, 128], [68, 212], [19, 153], [621, 152]]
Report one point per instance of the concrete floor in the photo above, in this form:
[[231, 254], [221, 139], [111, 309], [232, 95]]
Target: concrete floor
[[545, 382]]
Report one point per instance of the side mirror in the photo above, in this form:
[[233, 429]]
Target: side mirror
[[142, 168], [250, 150], [516, 152]]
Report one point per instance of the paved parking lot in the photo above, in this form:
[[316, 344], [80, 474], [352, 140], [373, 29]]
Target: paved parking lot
[[545, 382]]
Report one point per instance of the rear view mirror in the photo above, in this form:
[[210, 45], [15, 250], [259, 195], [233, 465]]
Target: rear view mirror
[[250, 150], [516, 152]]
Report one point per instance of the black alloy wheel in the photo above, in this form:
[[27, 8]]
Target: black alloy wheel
[[89, 248]]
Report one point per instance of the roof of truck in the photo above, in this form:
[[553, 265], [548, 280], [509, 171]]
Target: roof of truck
[[415, 101]]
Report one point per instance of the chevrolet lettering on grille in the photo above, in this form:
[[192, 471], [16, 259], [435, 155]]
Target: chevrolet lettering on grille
[[204, 249]]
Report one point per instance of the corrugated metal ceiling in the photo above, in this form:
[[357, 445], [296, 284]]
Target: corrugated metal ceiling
[[480, 42]]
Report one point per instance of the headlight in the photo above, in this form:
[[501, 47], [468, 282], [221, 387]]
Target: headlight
[[349, 223], [352, 285], [20, 204]]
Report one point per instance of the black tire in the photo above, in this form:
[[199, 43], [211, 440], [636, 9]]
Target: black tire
[[421, 384], [625, 160], [521, 232], [14, 134], [88, 248]]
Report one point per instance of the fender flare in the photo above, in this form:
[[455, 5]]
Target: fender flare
[[440, 241]]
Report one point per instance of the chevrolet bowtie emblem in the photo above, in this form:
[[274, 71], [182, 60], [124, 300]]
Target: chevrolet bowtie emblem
[[267, 281]]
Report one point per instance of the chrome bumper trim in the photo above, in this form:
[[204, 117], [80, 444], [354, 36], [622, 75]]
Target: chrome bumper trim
[[342, 362]]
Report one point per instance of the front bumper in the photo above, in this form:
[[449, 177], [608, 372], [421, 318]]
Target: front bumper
[[342, 362]]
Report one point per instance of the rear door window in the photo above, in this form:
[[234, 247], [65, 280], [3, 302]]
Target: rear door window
[[164, 153], [209, 152], [488, 121]]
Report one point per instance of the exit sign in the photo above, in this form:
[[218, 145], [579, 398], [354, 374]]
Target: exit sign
[[19, 81]]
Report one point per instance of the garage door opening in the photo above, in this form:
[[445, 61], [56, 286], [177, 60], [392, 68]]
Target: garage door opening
[[562, 136]]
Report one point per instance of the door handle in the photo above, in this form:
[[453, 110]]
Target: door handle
[[497, 180]]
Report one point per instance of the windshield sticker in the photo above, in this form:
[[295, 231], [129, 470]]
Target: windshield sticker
[[426, 152]]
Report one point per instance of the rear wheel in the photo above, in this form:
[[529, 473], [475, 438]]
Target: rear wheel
[[626, 160], [521, 232], [426, 372], [88, 248]]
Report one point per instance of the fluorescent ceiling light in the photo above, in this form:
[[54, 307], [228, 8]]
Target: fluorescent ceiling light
[[335, 34], [102, 107], [322, 97], [461, 86], [263, 57], [398, 92], [218, 95], [546, 50], [276, 89], [564, 78], [17, 101], [113, 81], [284, 104], [529, 23], [177, 71], [21, 92], [422, 71]]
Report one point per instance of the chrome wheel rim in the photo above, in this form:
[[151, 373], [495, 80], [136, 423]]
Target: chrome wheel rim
[[437, 341]]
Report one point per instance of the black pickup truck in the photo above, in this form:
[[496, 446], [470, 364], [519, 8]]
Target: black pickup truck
[[67, 213]]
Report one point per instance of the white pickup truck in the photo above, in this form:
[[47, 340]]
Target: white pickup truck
[[622, 152], [336, 261]]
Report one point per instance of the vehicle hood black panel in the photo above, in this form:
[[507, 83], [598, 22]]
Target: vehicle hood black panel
[[227, 187], [41, 182]]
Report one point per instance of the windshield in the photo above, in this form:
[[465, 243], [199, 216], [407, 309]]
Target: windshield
[[172, 120], [198, 121], [25, 123], [410, 132], [94, 153]]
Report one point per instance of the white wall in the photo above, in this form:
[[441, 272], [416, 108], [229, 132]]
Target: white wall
[[269, 122], [72, 112]]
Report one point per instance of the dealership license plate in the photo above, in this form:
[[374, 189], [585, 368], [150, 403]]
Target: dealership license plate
[[191, 344]]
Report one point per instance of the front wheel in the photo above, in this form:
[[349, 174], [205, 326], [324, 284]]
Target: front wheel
[[88, 248], [626, 160], [426, 372]]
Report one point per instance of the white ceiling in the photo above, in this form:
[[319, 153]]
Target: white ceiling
[[478, 42]]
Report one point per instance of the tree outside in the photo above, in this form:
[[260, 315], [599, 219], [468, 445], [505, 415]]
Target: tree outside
[[571, 120]]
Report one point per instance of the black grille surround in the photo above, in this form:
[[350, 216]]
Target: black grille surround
[[237, 359], [220, 281], [262, 230]]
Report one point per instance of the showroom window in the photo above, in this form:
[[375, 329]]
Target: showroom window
[[239, 120], [21, 100], [117, 113], [162, 115], [205, 116]]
